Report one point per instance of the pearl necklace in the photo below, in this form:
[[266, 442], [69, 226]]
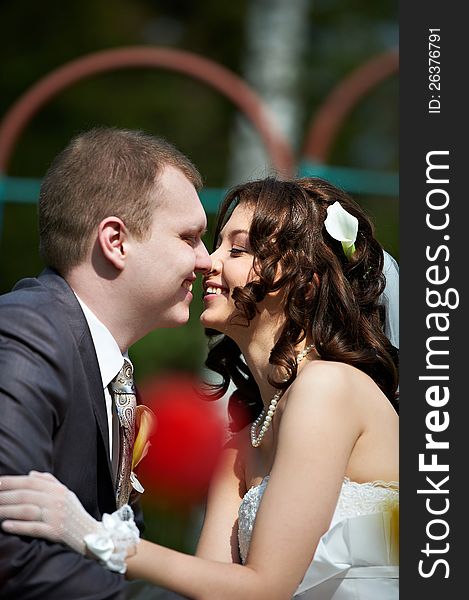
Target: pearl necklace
[[257, 439]]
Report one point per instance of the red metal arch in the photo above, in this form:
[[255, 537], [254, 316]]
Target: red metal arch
[[216, 76], [342, 100]]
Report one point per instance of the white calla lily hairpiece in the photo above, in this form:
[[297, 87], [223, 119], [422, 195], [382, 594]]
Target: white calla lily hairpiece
[[342, 226]]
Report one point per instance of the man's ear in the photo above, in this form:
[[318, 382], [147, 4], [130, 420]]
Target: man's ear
[[113, 237]]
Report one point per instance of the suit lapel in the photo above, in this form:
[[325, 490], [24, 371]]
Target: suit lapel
[[93, 384], [96, 393]]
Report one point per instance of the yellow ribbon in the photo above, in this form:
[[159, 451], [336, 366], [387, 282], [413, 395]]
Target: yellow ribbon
[[395, 534], [390, 507]]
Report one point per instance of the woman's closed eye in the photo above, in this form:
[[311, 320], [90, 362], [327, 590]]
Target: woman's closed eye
[[237, 251]]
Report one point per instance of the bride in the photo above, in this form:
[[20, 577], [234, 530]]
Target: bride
[[305, 499]]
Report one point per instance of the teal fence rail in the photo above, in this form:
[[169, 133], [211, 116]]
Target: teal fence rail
[[25, 190]]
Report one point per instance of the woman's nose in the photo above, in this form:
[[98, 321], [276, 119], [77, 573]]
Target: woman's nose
[[216, 264]]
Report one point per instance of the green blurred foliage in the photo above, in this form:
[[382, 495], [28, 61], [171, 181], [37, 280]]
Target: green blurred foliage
[[43, 36], [38, 37]]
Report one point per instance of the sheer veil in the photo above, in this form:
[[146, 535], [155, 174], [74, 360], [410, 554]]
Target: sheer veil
[[390, 298]]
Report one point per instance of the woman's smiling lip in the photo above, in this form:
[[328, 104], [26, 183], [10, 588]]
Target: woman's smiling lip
[[214, 289]]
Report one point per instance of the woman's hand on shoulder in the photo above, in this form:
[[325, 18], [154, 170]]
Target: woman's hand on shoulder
[[38, 505]]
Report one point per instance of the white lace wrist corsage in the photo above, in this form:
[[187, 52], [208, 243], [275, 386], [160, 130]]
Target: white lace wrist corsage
[[115, 539]]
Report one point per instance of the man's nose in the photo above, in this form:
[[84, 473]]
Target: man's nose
[[203, 261]]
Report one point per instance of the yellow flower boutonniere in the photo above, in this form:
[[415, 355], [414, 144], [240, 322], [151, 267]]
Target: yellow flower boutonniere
[[145, 423]]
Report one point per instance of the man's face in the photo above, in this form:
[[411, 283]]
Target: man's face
[[162, 268]]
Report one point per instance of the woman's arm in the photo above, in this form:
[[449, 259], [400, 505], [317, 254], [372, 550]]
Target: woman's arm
[[195, 577], [219, 537]]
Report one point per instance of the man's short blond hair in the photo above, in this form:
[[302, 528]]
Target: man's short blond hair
[[102, 172]]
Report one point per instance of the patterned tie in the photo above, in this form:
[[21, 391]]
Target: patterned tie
[[123, 391]]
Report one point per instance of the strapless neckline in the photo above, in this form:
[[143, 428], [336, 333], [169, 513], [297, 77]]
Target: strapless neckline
[[391, 485]]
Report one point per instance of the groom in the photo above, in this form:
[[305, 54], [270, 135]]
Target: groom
[[120, 229]]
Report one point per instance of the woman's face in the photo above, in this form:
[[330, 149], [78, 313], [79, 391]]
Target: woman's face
[[232, 266]]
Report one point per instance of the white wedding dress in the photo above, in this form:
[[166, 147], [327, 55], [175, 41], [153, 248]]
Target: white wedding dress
[[357, 558]]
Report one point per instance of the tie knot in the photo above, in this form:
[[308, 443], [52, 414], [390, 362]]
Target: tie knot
[[123, 382]]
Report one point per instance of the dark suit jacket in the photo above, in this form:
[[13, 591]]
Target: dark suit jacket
[[52, 418]]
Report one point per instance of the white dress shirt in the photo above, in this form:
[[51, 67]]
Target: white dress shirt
[[110, 358]]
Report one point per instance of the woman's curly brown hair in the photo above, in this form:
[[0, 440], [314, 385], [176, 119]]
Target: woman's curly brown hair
[[329, 298]]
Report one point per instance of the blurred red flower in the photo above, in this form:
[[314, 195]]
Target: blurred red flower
[[187, 441]]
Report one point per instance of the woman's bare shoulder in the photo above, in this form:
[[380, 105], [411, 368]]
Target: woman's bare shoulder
[[327, 390], [337, 379], [322, 377]]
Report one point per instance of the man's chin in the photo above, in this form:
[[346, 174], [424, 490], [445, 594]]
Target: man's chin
[[176, 319], [174, 324]]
